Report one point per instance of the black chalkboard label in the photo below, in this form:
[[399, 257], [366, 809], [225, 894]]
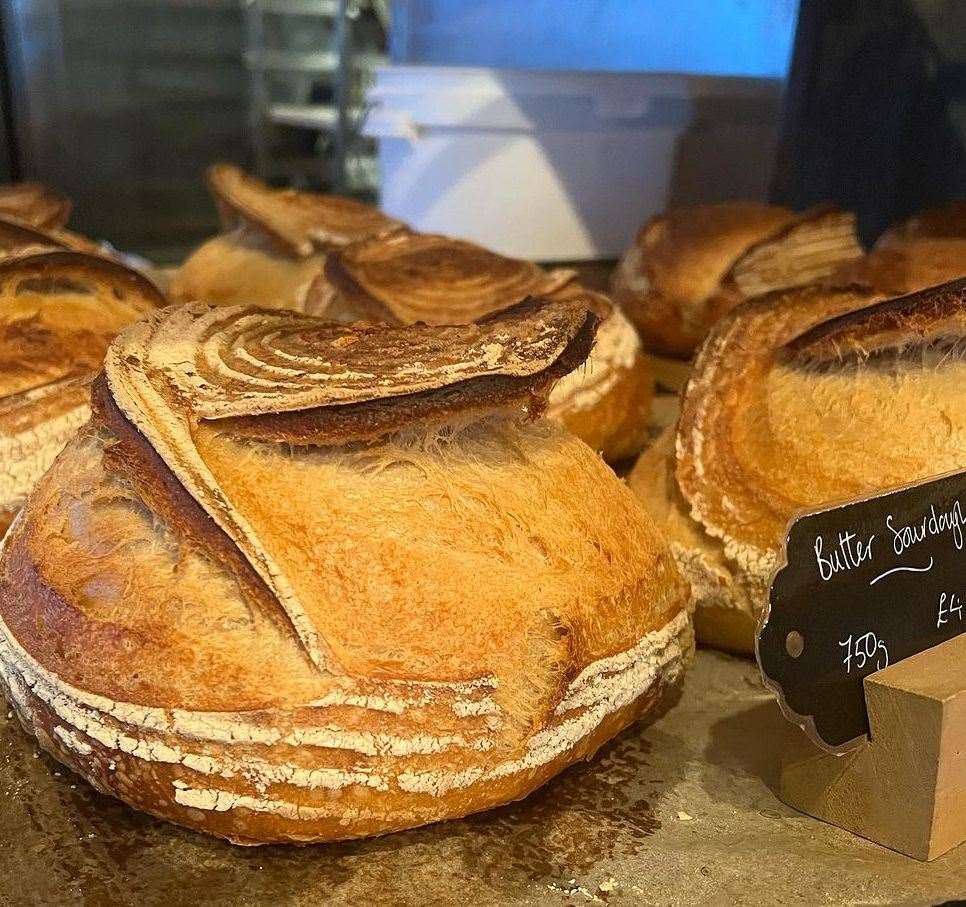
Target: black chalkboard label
[[864, 585]]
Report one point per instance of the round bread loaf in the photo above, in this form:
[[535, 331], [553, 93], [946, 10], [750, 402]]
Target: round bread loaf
[[800, 399], [302, 581], [274, 242], [59, 310], [410, 277], [690, 266]]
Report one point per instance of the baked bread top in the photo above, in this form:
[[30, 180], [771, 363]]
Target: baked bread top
[[690, 265], [818, 395], [35, 204], [17, 235], [296, 223], [302, 581], [900, 267], [943, 222], [59, 310], [411, 277]]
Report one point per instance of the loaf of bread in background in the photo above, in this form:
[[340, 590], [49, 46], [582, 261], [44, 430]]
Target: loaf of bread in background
[[799, 399], [273, 243], [896, 268], [59, 310], [690, 266], [303, 581], [410, 277], [943, 222], [35, 204]]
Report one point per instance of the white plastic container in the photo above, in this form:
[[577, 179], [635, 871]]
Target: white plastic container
[[558, 166]]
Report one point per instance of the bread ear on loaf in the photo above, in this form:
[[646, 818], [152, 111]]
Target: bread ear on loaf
[[274, 242], [690, 266], [409, 277]]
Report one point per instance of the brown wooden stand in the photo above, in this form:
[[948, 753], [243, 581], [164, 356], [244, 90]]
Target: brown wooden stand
[[905, 788]]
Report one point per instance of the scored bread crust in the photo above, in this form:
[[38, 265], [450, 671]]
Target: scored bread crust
[[274, 242], [690, 266], [410, 277], [327, 663], [59, 311], [793, 404]]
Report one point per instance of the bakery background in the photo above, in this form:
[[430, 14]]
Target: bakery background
[[593, 138]]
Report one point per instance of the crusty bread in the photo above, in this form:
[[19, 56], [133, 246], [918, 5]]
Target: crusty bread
[[34, 204], [800, 399], [410, 277], [303, 581], [274, 242], [944, 222], [17, 235], [896, 268], [59, 311], [690, 266]]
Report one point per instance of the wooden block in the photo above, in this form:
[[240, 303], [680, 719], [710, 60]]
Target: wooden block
[[906, 787]]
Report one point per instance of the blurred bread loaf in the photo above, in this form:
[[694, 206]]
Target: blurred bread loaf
[[34, 204], [59, 310], [273, 243], [689, 266]]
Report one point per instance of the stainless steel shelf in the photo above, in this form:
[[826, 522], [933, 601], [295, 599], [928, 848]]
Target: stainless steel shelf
[[325, 9], [309, 116]]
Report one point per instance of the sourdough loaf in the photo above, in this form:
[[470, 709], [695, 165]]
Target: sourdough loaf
[[410, 277], [302, 581], [799, 399], [897, 268], [273, 243], [689, 266], [34, 204], [59, 310], [943, 222]]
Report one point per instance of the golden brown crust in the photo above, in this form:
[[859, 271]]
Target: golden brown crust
[[797, 400], [17, 235], [907, 266], [926, 317], [944, 222], [413, 277], [301, 649], [59, 311], [35, 204], [238, 269], [690, 266], [299, 222]]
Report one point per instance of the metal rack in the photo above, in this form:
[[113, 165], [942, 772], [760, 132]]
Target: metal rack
[[309, 62]]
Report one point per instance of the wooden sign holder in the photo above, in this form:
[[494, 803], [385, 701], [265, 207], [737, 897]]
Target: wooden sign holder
[[905, 787]]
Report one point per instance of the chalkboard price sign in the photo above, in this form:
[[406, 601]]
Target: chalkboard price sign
[[864, 585]]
